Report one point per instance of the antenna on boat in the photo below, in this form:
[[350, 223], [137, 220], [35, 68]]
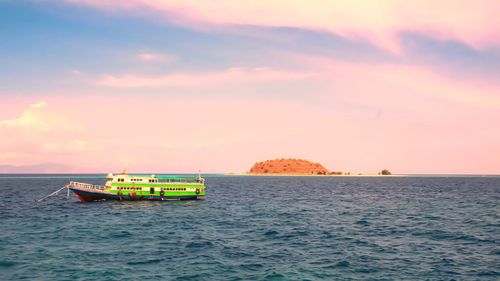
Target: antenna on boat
[[199, 176], [124, 170]]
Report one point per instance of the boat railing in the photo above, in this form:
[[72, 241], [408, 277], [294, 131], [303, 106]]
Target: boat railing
[[183, 180], [85, 185]]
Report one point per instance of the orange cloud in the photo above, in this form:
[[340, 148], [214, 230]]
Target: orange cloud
[[379, 21]]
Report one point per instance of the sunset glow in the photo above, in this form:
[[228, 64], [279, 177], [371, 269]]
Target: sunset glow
[[182, 86]]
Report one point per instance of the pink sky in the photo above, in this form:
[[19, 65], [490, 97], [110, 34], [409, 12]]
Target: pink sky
[[405, 110]]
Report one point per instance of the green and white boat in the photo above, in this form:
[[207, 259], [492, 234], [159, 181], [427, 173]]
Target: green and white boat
[[140, 187]]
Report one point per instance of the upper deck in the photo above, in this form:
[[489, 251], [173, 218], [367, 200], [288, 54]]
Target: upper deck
[[145, 180]]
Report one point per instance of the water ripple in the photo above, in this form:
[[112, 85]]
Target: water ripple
[[258, 228]]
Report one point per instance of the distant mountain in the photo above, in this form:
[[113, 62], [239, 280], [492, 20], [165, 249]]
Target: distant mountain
[[288, 166], [38, 168]]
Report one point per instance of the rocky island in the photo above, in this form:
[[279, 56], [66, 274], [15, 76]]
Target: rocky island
[[288, 166]]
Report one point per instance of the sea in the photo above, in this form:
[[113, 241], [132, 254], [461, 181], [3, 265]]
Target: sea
[[257, 228]]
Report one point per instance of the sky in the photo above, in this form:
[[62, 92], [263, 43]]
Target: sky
[[170, 86]]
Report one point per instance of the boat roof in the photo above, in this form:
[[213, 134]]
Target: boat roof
[[153, 176]]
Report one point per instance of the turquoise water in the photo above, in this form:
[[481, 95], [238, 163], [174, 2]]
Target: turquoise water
[[257, 228]]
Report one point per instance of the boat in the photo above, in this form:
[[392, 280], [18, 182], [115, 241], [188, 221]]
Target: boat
[[141, 187]]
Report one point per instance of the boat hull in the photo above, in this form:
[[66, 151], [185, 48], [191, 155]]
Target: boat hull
[[89, 195]]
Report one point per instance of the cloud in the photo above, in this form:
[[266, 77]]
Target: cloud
[[38, 119], [397, 86], [40, 104], [377, 21], [213, 78], [29, 119], [155, 57], [38, 133]]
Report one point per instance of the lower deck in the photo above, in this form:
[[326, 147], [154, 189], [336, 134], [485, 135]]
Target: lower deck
[[91, 195], [164, 191]]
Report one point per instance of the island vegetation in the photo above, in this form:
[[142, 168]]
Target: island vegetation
[[385, 172], [288, 166]]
